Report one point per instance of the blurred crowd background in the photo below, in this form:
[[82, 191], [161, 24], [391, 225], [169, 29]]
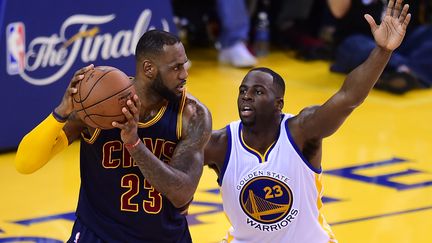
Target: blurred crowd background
[[333, 30]]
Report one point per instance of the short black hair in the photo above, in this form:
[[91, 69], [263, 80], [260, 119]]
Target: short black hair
[[152, 42], [277, 79]]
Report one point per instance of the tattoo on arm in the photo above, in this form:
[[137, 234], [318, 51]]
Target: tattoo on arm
[[198, 133], [179, 179]]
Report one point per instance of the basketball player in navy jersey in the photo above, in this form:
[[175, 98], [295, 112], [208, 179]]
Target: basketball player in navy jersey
[[269, 163], [136, 179]]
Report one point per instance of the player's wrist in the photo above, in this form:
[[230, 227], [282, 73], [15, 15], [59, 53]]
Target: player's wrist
[[59, 116], [133, 145], [384, 50]]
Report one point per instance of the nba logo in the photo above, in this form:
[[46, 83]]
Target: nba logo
[[15, 41]]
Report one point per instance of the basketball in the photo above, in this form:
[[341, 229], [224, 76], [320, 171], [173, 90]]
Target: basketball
[[100, 96]]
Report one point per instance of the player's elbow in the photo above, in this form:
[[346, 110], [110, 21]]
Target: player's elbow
[[181, 203], [354, 101], [22, 167], [350, 99], [27, 163], [181, 199], [181, 195]]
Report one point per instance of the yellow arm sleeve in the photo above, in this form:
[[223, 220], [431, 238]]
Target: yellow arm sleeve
[[40, 145]]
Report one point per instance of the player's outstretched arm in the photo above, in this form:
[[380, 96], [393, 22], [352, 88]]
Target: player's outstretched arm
[[178, 179], [322, 121], [52, 135]]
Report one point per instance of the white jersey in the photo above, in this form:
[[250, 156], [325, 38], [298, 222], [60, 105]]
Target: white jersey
[[275, 197]]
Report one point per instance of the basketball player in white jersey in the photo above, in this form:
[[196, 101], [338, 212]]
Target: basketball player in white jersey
[[269, 163]]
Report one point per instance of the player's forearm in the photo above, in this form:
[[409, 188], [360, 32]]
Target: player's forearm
[[40, 145], [361, 80], [174, 184]]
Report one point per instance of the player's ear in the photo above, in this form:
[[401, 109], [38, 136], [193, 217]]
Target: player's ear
[[279, 103], [149, 69]]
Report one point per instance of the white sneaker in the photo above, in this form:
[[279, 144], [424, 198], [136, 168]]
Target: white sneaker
[[237, 55]]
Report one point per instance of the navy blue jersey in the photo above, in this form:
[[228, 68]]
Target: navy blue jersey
[[115, 200]]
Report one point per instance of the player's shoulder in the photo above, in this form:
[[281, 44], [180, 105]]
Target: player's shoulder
[[308, 110], [196, 118], [304, 113], [297, 122], [193, 101], [193, 106]]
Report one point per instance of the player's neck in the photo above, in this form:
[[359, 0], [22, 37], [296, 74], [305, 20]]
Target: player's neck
[[149, 99], [148, 113], [151, 102], [261, 137]]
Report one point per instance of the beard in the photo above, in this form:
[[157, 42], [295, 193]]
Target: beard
[[247, 122], [159, 87]]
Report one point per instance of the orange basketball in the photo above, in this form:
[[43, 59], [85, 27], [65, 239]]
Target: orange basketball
[[101, 95]]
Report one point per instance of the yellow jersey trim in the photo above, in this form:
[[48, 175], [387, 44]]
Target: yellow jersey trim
[[92, 139], [228, 237], [180, 115], [262, 157], [154, 119], [321, 220]]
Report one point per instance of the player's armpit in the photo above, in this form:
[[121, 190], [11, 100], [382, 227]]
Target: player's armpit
[[216, 149], [40, 145]]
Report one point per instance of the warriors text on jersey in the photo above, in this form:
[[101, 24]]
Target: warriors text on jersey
[[115, 200], [275, 197]]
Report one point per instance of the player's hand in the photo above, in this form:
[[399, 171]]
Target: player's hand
[[129, 128], [390, 33], [65, 108]]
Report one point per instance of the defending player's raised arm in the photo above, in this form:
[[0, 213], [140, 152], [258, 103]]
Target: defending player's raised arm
[[178, 179], [320, 122]]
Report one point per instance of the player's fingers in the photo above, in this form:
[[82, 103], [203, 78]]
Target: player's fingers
[[84, 69], [397, 8], [79, 75], [127, 114], [137, 101], [118, 125], [132, 107], [406, 21], [75, 80], [390, 7], [73, 90], [371, 22], [403, 13]]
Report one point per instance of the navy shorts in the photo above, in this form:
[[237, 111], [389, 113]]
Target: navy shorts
[[82, 234]]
